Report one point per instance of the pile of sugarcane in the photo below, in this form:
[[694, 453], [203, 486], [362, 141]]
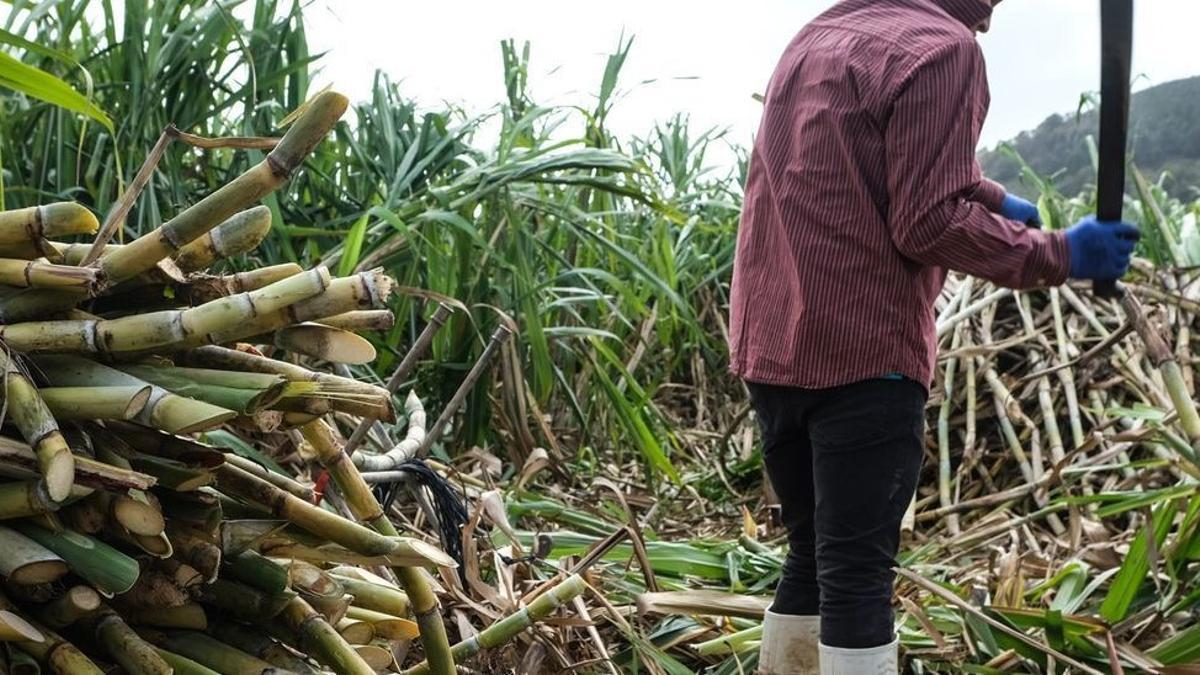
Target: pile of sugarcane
[[125, 539]]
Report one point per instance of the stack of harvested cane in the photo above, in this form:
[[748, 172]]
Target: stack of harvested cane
[[126, 540]]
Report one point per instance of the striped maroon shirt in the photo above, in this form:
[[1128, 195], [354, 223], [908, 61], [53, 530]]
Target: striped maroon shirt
[[863, 189]]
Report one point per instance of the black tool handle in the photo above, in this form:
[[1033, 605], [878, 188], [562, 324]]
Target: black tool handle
[[1116, 52]]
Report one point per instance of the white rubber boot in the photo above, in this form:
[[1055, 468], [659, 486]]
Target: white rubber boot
[[881, 660], [789, 645]]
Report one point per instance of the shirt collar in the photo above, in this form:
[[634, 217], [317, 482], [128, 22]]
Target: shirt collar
[[970, 12]]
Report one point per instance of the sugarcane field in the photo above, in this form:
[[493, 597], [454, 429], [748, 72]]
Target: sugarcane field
[[834, 337]]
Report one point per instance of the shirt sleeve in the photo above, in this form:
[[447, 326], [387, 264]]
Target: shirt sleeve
[[940, 209]]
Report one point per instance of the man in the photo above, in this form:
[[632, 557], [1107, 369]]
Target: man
[[863, 189]]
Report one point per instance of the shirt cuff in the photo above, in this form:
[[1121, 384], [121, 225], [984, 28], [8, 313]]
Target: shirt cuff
[[990, 194], [1049, 262]]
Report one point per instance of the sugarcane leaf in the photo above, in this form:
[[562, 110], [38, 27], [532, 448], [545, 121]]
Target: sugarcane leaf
[[1183, 647], [41, 85], [353, 248], [1136, 565]]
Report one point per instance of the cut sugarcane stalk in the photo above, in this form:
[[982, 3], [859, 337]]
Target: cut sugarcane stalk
[[375, 656], [323, 342], [96, 403], [245, 393], [126, 647], [165, 410], [60, 656], [19, 461], [312, 518], [41, 274], [24, 561], [258, 571], [356, 632], [329, 453], [309, 128], [255, 643], [188, 616], [374, 596], [243, 601], [15, 629], [184, 665], [360, 398], [18, 662], [507, 628], [239, 234], [109, 571], [26, 498], [208, 652], [60, 219], [66, 609], [205, 288], [195, 549], [362, 320], [165, 329], [172, 474], [28, 412], [322, 641], [277, 479], [386, 626], [184, 575]]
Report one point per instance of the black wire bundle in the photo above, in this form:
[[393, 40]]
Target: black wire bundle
[[451, 511]]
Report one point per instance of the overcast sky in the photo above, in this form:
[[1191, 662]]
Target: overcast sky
[[1042, 54]]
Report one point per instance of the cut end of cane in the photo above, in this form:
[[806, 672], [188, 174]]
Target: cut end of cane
[[430, 553], [378, 658], [58, 466], [15, 629], [84, 598], [329, 344], [139, 517], [40, 572]]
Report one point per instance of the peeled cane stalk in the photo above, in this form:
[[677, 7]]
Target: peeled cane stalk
[[166, 411], [507, 628], [325, 343], [302, 136], [164, 329], [28, 412], [31, 225], [24, 561], [107, 569], [40, 274], [96, 403]]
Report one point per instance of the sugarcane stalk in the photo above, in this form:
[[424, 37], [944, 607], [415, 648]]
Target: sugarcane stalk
[[243, 601], [303, 135], [15, 629], [60, 656], [26, 498], [415, 353], [33, 224], [40, 274], [18, 460], [355, 632], [18, 662], [237, 392], [195, 549], [24, 561], [258, 571], [943, 434], [172, 474], [167, 329], [208, 652], [240, 233], [166, 411], [183, 665], [124, 645], [325, 343], [373, 596], [507, 628], [1162, 358], [71, 606], [255, 643], [386, 626], [364, 399], [277, 479], [322, 641], [28, 412], [362, 320], [188, 616], [96, 403], [107, 569], [378, 656]]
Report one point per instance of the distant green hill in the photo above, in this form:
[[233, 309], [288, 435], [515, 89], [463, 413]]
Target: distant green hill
[[1164, 130]]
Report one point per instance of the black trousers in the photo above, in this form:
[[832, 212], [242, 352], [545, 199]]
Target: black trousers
[[844, 462]]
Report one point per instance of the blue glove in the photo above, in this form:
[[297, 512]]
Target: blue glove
[[1100, 250], [1024, 212]]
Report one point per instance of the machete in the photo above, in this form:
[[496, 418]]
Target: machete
[[1116, 51]]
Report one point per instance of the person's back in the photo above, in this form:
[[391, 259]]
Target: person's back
[[863, 189]]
